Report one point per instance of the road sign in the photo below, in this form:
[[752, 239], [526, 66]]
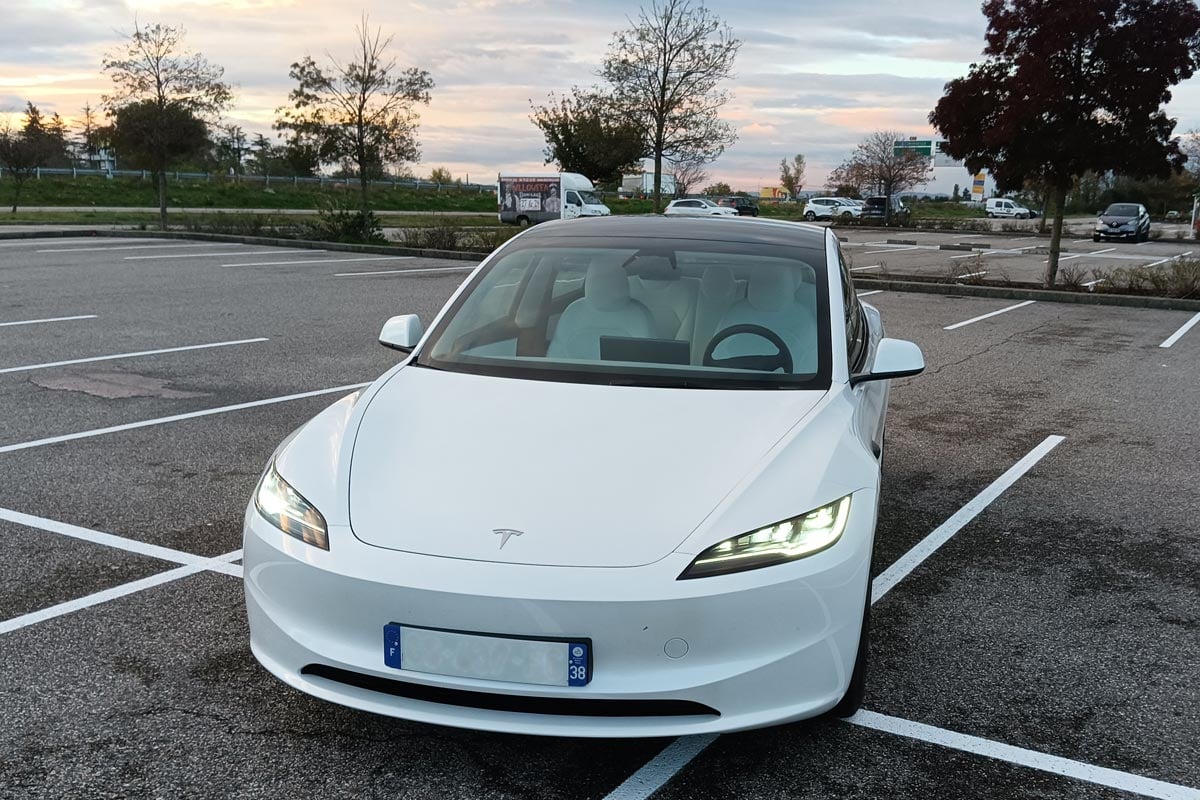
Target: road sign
[[922, 147]]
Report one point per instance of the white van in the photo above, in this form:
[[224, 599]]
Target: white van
[[530, 199], [1001, 207]]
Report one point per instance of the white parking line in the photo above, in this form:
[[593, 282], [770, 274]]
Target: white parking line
[[986, 316], [1148, 241], [868, 294], [70, 437], [1043, 762], [655, 773], [319, 261], [400, 271], [48, 319], [48, 365], [1177, 335], [902, 566], [38, 241], [1171, 258], [100, 537], [140, 247], [890, 250], [219, 564], [860, 269], [973, 274], [224, 254]]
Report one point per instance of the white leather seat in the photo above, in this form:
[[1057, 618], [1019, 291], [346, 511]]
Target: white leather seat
[[606, 309], [771, 302], [718, 292], [670, 297]]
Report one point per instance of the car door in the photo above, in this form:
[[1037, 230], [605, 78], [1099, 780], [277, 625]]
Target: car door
[[573, 206], [864, 330]]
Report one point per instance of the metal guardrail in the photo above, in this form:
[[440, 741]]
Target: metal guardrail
[[266, 180]]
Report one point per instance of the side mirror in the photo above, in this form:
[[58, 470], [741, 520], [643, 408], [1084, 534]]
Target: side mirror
[[895, 358], [402, 333]]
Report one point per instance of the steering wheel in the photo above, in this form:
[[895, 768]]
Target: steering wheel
[[781, 359]]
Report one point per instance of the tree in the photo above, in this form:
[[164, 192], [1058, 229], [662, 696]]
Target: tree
[[791, 174], [151, 137], [664, 73], [88, 142], [846, 190], [877, 165], [956, 194], [441, 175], [584, 134], [25, 150], [718, 188], [689, 173], [168, 88], [1068, 87], [360, 113], [231, 149], [966, 193]]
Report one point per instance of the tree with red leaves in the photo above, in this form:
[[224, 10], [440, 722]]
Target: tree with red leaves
[[1067, 86]]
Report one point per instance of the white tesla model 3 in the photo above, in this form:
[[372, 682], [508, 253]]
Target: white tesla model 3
[[625, 485]]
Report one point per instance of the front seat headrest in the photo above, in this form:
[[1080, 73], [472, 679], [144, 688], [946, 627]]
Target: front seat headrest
[[606, 287], [772, 288]]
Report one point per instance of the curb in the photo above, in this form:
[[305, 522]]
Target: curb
[[369, 249], [1045, 295]]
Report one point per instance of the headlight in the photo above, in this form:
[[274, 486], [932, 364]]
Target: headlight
[[287, 510], [784, 541]]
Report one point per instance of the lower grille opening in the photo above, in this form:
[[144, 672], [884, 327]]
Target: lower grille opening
[[561, 706]]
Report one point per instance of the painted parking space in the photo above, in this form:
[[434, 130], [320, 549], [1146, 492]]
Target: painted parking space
[[1025, 572]]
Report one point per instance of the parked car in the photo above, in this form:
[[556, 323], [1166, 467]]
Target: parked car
[[698, 207], [826, 208], [745, 206], [1003, 207], [602, 514], [1123, 221], [875, 208], [853, 206]]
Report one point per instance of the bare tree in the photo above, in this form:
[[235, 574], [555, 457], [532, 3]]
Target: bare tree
[[877, 165], [153, 70], [791, 174], [689, 173], [665, 72], [360, 111]]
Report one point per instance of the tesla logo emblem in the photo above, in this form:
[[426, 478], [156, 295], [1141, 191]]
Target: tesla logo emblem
[[506, 534]]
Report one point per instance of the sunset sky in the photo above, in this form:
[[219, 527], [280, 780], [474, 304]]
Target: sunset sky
[[813, 76]]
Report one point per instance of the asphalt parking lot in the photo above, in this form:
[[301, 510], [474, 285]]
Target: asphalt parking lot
[[1036, 618], [1001, 257]]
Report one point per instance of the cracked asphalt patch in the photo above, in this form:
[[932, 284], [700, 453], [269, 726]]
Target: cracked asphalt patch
[[1063, 619]]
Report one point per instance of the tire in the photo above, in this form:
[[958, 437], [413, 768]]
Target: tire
[[754, 213], [523, 222], [1095, 238], [1022, 216], [852, 700], [991, 215], [810, 216]]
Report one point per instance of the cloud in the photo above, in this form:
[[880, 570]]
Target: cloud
[[812, 77]]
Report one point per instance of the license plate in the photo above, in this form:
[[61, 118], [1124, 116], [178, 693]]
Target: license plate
[[546, 662]]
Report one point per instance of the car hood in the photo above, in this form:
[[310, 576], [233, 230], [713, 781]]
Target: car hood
[[1109, 219], [590, 475]]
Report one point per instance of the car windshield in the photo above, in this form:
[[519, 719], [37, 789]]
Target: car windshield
[[643, 312], [706, 202], [1121, 210], [589, 198]]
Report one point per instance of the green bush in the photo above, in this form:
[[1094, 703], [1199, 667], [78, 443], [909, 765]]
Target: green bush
[[338, 222]]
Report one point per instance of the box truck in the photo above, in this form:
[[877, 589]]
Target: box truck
[[530, 199]]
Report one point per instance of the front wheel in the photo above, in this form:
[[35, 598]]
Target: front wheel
[[852, 700], [523, 222]]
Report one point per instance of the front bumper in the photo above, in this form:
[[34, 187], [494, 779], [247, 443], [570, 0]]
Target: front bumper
[[1110, 233], [763, 647]]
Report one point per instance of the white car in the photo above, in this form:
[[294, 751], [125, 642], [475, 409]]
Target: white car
[[698, 207], [1001, 207], [830, 207], [625, 485]]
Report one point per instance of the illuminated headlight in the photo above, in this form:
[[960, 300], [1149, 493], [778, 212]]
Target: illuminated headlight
[[784, 541], [287, 510]]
